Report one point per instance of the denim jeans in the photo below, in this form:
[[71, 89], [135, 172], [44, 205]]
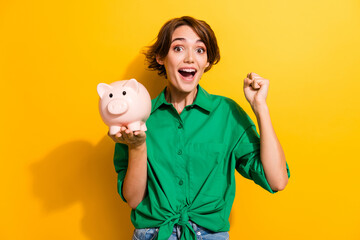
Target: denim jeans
[[201, 233]]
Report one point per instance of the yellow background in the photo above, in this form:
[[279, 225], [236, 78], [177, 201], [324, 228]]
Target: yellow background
[[57, 176]]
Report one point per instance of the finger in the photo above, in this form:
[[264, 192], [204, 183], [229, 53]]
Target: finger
[[247, 82], [254, 75], [264, 84], [251, 83], [261, 82], [140, 134], [128, 135], [123, 131], [119, 136], [255, 84]]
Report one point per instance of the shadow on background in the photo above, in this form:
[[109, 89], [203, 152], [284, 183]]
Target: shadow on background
[[80, 172]]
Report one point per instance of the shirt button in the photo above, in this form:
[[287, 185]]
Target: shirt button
[[181, 182], [179, 152]]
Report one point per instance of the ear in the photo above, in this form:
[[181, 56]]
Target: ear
[[102, 88], [132, 83], [207, 64], [159, 60]]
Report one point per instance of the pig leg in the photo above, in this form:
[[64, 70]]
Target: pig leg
[[143, 127], [134, 126], [114, 130]]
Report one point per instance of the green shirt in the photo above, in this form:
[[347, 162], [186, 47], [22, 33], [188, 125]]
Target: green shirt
[[192, 158]]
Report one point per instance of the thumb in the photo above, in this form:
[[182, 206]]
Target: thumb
[[264, 86]]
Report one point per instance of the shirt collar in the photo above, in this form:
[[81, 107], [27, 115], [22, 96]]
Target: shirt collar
[[202, 100]]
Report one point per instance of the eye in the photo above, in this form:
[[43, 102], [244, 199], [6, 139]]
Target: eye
[[110, 95], [178, 49], [124, 93], [200, 50]]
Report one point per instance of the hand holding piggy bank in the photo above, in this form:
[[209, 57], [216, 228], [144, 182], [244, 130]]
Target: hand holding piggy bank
[[124, 103]]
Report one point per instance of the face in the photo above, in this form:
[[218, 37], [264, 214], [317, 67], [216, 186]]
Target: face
[[186, 60]]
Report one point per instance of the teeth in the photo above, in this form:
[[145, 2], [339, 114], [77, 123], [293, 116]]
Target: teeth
[[187, 70]]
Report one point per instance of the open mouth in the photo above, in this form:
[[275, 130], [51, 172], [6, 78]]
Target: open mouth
[[187, 73]]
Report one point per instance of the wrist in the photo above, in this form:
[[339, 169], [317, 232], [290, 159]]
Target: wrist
[[137, 147], [260, 109]]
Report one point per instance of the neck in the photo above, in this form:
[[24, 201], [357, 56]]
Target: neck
[[180, 99]]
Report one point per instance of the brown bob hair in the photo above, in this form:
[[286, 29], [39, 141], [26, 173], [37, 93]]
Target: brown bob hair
[[162, 45]]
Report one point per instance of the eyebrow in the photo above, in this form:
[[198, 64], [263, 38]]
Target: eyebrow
[[183, 39]]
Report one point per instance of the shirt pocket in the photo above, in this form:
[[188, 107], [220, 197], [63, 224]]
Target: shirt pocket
[[206, 153], [209, 168]]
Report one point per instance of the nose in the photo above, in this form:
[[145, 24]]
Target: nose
[[189, 58], [117, 107]]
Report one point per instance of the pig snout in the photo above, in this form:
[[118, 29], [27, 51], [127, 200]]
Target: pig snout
[[117, 107]]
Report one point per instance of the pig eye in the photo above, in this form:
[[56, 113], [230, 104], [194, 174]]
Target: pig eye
[[124, 93], [110, 95]]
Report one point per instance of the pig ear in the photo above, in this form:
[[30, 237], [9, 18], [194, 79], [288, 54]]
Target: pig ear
[[132, 83], [102, 88]]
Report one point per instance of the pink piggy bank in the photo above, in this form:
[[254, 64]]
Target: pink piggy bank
[[124, 103]]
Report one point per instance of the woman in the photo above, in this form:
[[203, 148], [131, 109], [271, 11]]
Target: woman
[[178, 177]]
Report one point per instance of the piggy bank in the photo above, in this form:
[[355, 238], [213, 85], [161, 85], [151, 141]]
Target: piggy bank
[[124, 103]]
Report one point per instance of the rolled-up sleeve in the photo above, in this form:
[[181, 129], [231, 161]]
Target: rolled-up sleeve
[[121, 164], [247, 154]]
